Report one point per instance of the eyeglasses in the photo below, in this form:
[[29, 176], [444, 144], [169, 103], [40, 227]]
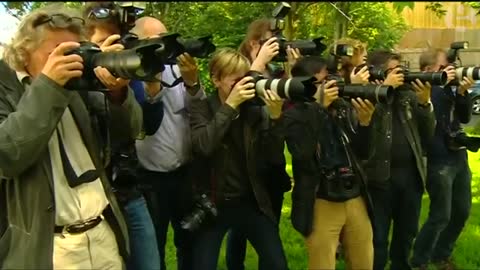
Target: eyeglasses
[[101, 13], [59, 21]]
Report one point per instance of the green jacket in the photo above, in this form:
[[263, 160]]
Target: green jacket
[[27, 207]]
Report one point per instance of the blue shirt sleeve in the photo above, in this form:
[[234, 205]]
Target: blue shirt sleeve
[[138, 90]]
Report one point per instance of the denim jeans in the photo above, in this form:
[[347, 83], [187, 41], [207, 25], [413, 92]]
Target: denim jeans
[[165, 192], [401, 203], [244, 216], [449, 188], [143, 244]]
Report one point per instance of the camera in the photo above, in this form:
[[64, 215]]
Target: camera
[[452, 54], [295, 89], [376, 73], [334, 62], [175, 45], [339, 184], [434, 78], [460, 140], [203, 209], [124, 13], [138, 63], [277, 25], [372, 92]]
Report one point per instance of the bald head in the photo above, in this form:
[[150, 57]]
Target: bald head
[[146, 27]]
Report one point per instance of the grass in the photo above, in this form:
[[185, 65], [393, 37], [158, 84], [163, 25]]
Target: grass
[[465, 254]]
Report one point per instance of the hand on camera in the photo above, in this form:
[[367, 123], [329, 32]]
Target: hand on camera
[[465, 84], [242, 91], [188, 68], [423, 91], [293, 55], [450, 73], [60, 67], [326, 94], [105, 77], [361, 77], [274, 104], [365, 110], [394, 78], [109, 46], [267, 52]]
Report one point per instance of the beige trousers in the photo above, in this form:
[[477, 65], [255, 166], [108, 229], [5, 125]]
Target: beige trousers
[[330, 218], [94, 249]]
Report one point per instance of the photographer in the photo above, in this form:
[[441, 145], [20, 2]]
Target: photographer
[[105, 32], [235, 141], [349, 63], [60, 210], [329, 196], [279, 181], [166, 153], [449, 176], [397, 171]]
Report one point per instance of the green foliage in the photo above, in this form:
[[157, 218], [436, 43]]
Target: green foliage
[[376, 24], [437, 8], [400, 6]]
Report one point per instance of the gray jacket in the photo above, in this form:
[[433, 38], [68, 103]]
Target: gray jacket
[[27, 207]]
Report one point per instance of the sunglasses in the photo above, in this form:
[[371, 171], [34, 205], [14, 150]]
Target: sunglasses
[[101, 13], [59, 21]]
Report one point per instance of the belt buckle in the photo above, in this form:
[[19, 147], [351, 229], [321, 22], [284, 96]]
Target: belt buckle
[[82, 225]]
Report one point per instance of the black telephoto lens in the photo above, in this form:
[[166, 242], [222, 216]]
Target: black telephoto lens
[[374, 93]]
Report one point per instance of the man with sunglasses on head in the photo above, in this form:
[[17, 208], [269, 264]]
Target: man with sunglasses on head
[[396, 173], [104, 28], [57, 206]]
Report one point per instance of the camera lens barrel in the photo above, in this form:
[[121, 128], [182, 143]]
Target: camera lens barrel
[[434, 78], [470, 72], [374, 93], [298, 88]]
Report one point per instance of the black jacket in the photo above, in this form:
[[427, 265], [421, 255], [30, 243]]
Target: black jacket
[[418, 124], [264, 144], [450, 111], [303, 127]]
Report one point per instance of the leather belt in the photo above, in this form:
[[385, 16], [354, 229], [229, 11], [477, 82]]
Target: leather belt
[[79, 227]]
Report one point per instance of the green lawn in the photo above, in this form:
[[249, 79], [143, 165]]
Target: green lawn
[[466, 252]]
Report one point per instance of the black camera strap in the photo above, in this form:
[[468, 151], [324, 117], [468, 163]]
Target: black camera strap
[[177, 81], [72, 178]]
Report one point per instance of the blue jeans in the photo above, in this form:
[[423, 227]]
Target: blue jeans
[[244, 216], [404, 192], [143, 244], [449, 188]]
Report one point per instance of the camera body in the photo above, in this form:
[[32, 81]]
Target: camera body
[[339, 184], [277, 25], [138, 63], [127, 15], [460, 140], [175, 45], [204, 209], [334, 60]]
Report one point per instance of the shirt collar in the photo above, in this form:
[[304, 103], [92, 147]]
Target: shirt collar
[[21, 76]]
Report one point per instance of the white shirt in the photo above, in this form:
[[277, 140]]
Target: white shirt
[[85, 201]]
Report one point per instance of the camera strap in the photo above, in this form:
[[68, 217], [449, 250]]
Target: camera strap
[[72, 178], [177, 80]]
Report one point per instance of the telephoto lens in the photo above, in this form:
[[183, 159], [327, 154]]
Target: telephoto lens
[[374, 93], [295, 89], [137, 64], [470, 72], [434, 78]]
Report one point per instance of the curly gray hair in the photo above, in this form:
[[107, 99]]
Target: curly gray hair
[[30, 35]]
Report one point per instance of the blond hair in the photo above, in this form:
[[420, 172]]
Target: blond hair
[[28, 37], [227, 61]]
